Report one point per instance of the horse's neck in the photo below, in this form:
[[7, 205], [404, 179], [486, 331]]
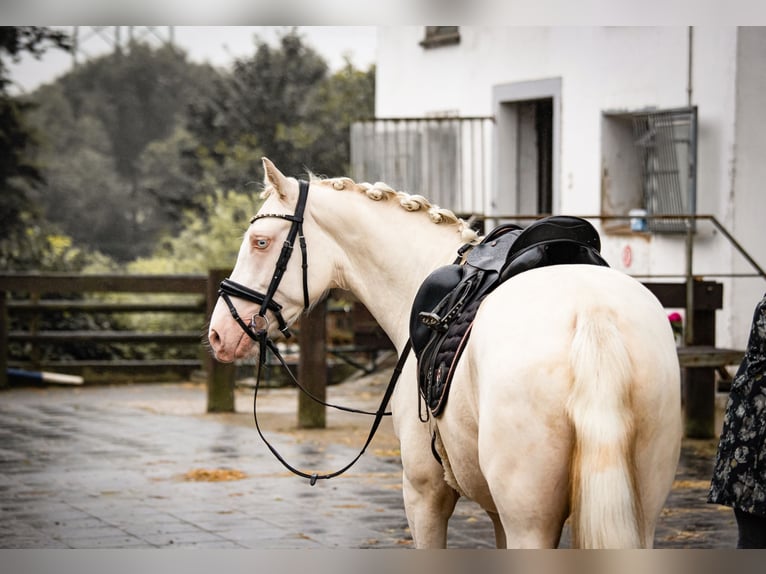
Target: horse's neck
[[386, 264]]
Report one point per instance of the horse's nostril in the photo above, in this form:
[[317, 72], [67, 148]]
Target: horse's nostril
[[214, 338]]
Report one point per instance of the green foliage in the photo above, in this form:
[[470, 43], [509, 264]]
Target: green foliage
[[138, 96], [180, 174], [35, 40], [283, 102], [18, 170], [100, 123], [79, 168], [345, 97], [204, 242], [138, 147], [39, 246], [261, 96]]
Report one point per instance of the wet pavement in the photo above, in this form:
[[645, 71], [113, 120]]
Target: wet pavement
[[143, 466]]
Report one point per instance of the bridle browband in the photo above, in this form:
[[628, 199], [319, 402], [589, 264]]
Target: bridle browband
[[258, 328]]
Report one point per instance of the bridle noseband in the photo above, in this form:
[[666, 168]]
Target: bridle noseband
[[259, 324]]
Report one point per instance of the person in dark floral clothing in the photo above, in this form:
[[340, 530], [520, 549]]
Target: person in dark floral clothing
[[739, 478]]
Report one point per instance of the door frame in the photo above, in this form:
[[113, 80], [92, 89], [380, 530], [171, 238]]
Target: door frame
[[511, 93]]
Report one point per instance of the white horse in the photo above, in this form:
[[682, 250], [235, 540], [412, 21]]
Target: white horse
[[565, 403]]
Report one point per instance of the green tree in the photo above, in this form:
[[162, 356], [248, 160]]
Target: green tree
[[17, 171], [182, 174], [261, 101], [84, 195], [338, 101], [283, 102], [133, 140], [35, 40], [99, 121], [207, 243]]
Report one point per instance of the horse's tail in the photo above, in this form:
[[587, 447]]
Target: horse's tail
[[605, 505]]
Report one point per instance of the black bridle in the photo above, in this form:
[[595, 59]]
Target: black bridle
[[258, 328], [259, 324]]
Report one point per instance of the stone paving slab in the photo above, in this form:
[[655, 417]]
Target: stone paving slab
[[113, 467]]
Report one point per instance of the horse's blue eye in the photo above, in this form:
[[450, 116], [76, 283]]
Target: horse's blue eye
[[261, 243]]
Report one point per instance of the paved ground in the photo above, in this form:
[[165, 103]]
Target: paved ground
[[143, 466]]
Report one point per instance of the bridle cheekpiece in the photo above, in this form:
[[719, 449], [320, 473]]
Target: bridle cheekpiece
[[258, 327]]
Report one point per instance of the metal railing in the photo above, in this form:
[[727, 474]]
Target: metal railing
[[449, 156], [688, 275]]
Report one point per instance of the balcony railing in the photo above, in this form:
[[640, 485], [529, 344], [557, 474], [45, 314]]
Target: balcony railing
[[447, 159]]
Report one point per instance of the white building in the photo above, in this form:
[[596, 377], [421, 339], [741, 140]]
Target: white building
[[589, 121]]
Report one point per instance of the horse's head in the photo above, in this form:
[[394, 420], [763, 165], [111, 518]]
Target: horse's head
[[253, 299]]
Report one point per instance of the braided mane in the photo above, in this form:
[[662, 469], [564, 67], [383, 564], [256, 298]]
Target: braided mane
[[380, 191]]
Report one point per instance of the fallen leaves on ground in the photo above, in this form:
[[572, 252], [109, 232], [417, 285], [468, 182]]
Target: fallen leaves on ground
[[214, 475]]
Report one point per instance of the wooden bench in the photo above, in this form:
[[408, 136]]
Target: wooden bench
[[709, 356]]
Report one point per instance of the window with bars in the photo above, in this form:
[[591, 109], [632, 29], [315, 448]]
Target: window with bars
[[441, 36], [443, 158], [649, 163]]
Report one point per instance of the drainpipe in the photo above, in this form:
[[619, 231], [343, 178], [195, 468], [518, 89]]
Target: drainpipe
[[689, 331], [689, 68]]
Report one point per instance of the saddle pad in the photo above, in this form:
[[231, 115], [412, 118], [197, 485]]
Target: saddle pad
[[440, 357]]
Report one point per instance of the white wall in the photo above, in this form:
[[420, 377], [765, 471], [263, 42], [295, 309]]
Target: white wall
[[746, 204], [609, 69]]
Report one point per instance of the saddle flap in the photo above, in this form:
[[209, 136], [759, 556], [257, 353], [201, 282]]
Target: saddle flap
[[437, 286], [491, 253]]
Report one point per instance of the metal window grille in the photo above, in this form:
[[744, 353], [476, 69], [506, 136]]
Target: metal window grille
[[441, 36], [666, 142], [445, 159]]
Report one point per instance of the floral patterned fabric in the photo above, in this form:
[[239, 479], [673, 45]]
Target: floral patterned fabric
[[739, 478]]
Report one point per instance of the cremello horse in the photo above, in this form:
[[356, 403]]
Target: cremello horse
[[566, 402]]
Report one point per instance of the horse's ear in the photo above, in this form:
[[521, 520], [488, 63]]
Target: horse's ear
[[274, 177]]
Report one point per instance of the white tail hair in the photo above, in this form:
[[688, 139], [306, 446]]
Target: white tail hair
[[606, 509]]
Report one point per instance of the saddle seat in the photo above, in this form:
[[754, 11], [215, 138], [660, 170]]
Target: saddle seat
[[447, 302]]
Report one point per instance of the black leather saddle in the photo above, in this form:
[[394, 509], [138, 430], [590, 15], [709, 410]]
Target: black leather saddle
[[447, 301]]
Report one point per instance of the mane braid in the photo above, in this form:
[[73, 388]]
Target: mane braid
[[380, 191]]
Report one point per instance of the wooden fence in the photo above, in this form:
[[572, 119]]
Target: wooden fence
[[27, 297], [34, 293], [39, 294]]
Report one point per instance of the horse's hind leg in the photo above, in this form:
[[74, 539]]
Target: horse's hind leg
[[530, 492], [500, 541], [429, 502]]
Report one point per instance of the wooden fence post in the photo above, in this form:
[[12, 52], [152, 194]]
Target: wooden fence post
[[312, 367], [220, 376], [4, 328], [698, 379], [699, 382]]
